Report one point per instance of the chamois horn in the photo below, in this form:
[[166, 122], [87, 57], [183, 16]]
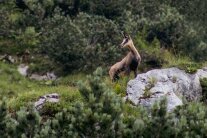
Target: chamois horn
[[125, 35]]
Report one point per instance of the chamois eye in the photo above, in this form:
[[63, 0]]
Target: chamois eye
[[126, 40]]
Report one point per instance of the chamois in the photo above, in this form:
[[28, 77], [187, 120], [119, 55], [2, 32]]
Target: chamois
[[128, 63]]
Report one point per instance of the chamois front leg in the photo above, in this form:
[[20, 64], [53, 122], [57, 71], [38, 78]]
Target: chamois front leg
[[112, 74]]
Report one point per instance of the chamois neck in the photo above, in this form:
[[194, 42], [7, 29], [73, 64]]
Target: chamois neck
[[134, 50]]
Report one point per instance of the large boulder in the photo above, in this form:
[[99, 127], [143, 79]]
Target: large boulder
[[172, 83]]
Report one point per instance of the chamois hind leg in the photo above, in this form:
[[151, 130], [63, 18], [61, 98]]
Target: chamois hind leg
[[135, 73]]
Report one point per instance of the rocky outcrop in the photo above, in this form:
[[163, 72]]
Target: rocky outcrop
[[23, 70], [172, 83], [47, 76], [51, 98], [8, 59]]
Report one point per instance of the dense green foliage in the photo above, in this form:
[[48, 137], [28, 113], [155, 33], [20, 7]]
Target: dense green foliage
[[82, 35], [68, 36], [104, 114]]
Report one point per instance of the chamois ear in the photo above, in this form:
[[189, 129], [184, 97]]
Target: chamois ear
[[125, 35]]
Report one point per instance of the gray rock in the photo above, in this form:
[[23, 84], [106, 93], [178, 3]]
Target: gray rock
[[202, 73], [8, 58], [22, 69], [52, 98], [172, 83], [47, 76]]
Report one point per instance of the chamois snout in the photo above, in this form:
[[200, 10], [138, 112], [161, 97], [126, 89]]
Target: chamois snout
[[121, 45]]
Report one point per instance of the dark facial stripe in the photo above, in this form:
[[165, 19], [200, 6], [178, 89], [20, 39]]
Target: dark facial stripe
[[126, 41]]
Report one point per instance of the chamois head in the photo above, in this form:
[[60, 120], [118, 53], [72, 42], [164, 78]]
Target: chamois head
[[126, 40]]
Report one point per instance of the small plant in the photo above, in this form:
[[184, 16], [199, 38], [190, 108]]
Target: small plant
[[120, 86], [152, 81], [147, 93], [117, 88], [174, 79], [204, 89], [190, 67]]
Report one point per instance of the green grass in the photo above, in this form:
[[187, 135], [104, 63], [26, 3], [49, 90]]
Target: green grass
[[181, 62], [20, 91], [120, 86], [71, 79]]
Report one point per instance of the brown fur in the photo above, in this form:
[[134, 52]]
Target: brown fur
[[128, 63]]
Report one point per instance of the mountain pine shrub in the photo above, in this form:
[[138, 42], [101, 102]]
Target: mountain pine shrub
[[102, 113]]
